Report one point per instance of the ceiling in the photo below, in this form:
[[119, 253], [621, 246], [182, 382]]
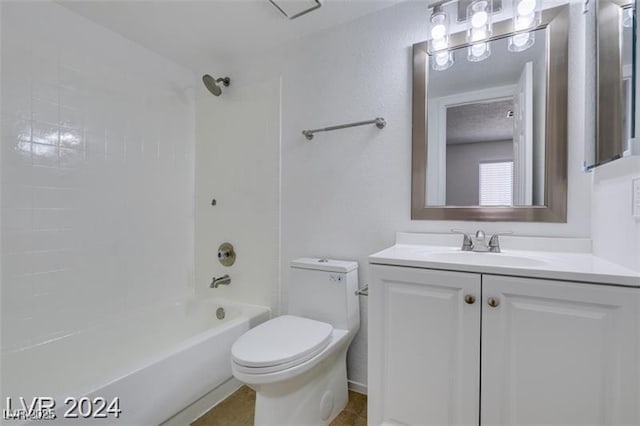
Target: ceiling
[[480, 122], [196, 33]]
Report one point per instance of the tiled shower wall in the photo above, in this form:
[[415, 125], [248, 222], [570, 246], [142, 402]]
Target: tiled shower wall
[[97, 174]]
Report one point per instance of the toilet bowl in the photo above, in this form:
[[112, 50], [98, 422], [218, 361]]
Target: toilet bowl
[[296, 363]]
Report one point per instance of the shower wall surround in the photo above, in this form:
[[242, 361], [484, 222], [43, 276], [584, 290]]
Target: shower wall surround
[[97, 174], [237, 163]]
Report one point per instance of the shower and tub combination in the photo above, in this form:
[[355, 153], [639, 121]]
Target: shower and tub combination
[[153, 360]]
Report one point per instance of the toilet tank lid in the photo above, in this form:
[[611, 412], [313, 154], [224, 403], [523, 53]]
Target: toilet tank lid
[[323, 264]]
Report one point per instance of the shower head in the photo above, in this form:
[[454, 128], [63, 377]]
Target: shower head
[[212, 86]]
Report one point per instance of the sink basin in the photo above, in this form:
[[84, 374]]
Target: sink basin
[[492, 259]]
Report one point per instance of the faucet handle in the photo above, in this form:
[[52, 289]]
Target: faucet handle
[[467, 243], [494, 242]]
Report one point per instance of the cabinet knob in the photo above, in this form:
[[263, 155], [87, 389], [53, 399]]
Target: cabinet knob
[[493, 302], [469, 299]]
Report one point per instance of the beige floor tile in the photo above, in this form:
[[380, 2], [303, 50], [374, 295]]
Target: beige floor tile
[[345, 418], [238, 410], [357, 403]]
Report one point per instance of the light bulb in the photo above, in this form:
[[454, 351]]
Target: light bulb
[[438, 31], [526, 7], [478, 49], [478, 52], [479, 19], [442, 61], [439, 43], [523, 22], [479, 22], [521, 42], [520, 39], [442, 58], [478, 34]]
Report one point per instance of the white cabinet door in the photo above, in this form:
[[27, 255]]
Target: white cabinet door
[[424, 347], [559, 353]]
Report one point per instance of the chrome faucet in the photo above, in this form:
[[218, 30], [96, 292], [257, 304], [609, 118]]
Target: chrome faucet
[[223, 280], [467, 244], [477, 242], [494, 242]]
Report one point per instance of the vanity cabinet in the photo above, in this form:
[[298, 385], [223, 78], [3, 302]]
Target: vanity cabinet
[[424, 346], [453, 348], [559, 353]]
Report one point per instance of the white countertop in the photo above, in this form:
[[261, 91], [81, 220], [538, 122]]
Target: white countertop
[[552, 258]]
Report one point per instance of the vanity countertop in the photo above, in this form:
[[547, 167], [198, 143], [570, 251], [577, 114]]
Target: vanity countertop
[[567, 259]]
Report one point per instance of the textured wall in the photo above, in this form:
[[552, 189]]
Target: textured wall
[[97, 174], [615, 232]]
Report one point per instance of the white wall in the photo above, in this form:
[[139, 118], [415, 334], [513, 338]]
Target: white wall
[[615, 232], [237, 163], [97, 174]]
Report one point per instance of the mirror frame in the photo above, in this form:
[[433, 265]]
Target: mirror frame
[[555, 21]]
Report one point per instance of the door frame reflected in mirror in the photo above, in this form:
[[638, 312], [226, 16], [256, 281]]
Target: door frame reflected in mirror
[[555, 22]]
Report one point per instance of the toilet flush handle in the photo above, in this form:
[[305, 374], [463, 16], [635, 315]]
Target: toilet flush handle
[[364, 291]]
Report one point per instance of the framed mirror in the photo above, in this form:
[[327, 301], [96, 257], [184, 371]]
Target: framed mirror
[[611, 27], [490, 135]]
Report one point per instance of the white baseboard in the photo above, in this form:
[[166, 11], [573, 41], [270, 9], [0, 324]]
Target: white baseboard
[[357, 387], [204, 404]]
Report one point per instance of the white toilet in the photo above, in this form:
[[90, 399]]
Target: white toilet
[[296, 363]]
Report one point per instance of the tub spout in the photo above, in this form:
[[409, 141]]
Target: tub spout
[[223, 280]]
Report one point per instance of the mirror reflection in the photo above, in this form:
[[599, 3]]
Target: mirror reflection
[[486, 131], [611, 33]]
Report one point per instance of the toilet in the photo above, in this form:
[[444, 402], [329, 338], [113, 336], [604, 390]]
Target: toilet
[[296, 363]]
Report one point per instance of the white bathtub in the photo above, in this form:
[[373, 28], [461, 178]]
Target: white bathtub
[[156, 361]]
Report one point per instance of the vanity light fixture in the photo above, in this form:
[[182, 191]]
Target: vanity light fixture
[[439, 23], [526, 15], [477, 18], [479, 30]]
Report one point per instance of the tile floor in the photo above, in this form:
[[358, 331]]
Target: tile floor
[[238, 409]]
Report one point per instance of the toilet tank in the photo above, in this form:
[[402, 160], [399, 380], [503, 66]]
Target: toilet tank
[[324, 290]]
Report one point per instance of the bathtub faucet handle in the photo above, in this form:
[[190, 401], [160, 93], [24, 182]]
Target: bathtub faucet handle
[[223, 280], [226, 254]]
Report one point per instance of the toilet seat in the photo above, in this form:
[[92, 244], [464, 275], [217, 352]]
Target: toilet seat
[[279, 344]]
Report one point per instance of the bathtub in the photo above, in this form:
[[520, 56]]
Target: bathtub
[[155, 362]]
